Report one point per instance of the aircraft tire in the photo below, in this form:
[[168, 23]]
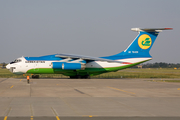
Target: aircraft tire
[[35, 76], [72, 77], [80, 77], [87, 77]]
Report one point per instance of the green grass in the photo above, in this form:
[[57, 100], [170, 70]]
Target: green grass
[[142, 73], [4, 73], [126, 73]]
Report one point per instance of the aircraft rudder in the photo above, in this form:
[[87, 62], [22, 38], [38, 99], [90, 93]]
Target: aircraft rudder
[[143, 43]]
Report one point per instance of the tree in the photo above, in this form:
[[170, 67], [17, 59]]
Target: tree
[[4, 65]]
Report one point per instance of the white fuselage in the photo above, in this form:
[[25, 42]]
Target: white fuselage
[[23, 65]]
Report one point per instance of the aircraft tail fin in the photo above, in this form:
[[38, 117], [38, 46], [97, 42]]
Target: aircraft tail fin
[[142, 44]]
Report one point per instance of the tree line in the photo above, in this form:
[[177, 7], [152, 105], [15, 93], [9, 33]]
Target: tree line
[[3, 65], [159, 65]]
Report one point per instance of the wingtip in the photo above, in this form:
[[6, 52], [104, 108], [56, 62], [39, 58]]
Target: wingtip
[[168, 28]]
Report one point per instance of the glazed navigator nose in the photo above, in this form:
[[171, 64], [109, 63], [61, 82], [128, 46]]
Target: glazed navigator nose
[[8, 66]]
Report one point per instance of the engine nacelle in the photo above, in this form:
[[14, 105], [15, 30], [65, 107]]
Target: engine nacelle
[[73, 66], [57, 65], [68, 66]]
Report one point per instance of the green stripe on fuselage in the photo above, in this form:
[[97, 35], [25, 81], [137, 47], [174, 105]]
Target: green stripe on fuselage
[[89, 71]]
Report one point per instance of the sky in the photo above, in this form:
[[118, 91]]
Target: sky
[[96, 28]]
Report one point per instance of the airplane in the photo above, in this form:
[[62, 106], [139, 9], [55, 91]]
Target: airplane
[[80, 66]]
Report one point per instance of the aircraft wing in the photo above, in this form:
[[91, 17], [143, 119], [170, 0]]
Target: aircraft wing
[[86, 58]]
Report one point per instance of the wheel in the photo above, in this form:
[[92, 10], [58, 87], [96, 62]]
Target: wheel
[[35, 76], [72, 77], [75, 77], [80, 77], [86, 77]]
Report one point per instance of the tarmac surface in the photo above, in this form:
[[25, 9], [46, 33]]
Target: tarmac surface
[[84, 99]]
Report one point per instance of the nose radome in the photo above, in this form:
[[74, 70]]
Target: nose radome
[[8, 66]]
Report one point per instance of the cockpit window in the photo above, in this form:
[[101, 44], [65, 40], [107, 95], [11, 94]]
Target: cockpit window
[[16, 61]]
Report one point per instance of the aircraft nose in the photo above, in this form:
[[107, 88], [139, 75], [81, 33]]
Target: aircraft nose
[[8, 66]]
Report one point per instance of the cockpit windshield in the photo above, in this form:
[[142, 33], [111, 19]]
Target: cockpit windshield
[[16, 61]]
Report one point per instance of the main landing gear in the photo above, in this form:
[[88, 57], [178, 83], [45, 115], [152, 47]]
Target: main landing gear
[[35, 76], [80, 77]]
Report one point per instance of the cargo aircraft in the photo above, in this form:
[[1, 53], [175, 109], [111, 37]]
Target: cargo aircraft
[[80, 66]]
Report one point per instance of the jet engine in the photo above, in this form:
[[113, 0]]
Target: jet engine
[[68, 66]]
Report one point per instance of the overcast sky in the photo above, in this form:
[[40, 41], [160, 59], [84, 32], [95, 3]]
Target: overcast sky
[[86, 27]]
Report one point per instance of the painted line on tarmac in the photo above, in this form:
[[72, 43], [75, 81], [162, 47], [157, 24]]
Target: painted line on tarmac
[[21, 79], [57, 118], [121, 90], [5, 118], [54, 111], [89, 116], [178, 89], [31, 117], [12, 86]]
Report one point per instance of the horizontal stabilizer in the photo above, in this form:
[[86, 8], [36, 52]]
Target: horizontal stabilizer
[[150, 29]]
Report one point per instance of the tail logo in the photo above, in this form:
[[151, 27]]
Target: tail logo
[[144, 41]]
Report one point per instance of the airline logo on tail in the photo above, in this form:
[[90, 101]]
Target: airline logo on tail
[[144, 41]]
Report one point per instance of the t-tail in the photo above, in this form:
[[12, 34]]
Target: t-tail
[[141, 45]]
